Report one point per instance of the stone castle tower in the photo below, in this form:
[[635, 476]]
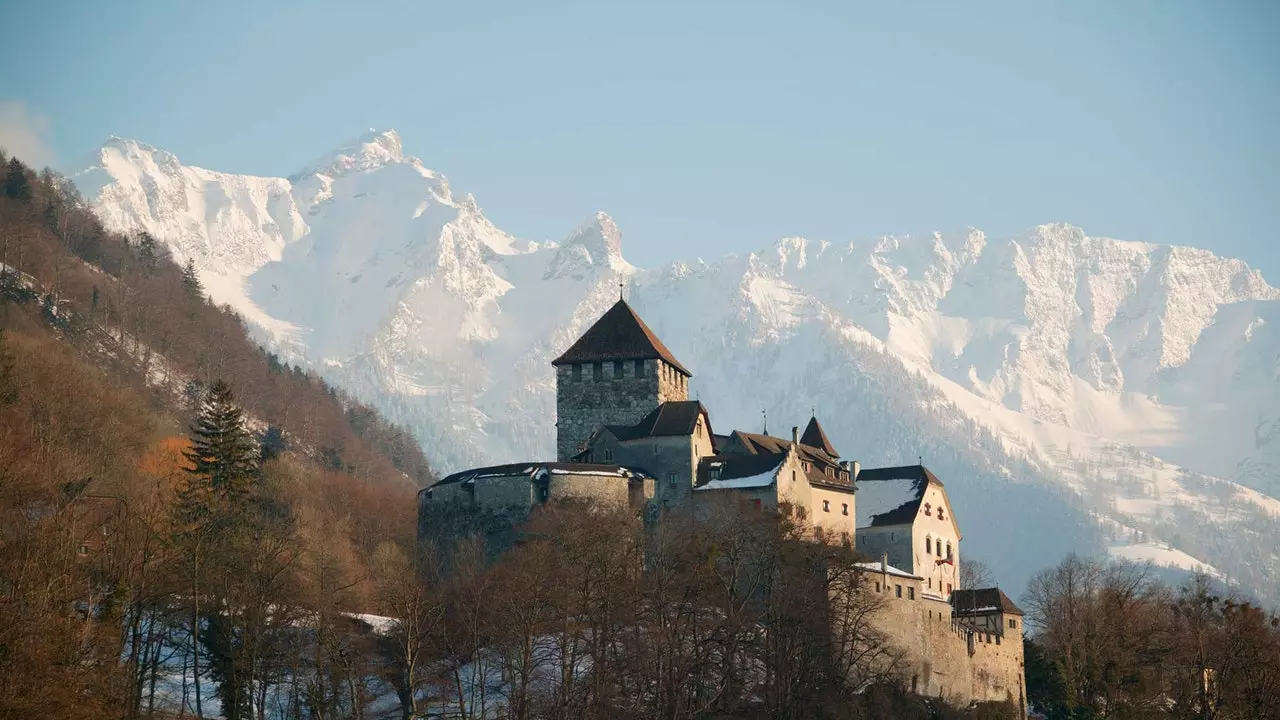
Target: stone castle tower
[[615, 374]]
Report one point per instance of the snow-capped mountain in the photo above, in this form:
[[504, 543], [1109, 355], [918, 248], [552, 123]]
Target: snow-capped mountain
[[1073, 392]]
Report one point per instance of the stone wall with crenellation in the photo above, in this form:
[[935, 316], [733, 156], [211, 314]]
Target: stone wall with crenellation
[[595, 394]]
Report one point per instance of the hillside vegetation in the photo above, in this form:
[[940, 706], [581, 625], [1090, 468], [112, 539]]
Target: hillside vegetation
[[112, 534]]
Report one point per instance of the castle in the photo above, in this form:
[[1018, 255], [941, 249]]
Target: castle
[[627, 434]]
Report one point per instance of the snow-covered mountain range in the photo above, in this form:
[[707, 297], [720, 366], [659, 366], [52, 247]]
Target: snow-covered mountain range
[[1073, 392]]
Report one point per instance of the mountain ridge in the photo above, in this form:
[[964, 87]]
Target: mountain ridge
[[1086, 363]]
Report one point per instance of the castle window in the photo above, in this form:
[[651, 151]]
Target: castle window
[[826, 506], [948, 588], [948, 551], [898, 590], [617, 369], [911, 593], [639, 368], [927, 511], [893, 537], [844, 508], [941, 515], [608, 455], [928, 546], [577, 372], [877, 587], [1013, 624], [671, 479], [802, 512], [930, 583], [597, 371]]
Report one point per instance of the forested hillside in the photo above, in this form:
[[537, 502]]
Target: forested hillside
[[114, 526]]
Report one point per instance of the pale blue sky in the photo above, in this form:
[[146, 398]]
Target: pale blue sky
[[710, 128]]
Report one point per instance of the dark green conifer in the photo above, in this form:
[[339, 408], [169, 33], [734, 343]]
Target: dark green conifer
[[191, 280], [148, 253], [16, 183], [223, 454]]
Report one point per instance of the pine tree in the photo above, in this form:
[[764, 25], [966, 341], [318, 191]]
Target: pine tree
[[191, 280], [16, 183], [148, 253], [223, 454]]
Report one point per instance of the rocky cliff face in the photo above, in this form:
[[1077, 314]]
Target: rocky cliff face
[[1074, 392]]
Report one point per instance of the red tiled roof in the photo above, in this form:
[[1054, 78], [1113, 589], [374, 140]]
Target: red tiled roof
[[619, 334]]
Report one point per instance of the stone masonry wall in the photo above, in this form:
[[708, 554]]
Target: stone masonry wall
[[943, 656], [583, 405]]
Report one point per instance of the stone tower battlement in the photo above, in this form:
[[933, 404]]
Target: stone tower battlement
[[615, 374]]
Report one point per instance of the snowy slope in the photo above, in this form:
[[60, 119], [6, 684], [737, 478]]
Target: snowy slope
[[1073, 392]]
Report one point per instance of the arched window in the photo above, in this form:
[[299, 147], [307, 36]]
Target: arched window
[[948, 551], [928, 546]]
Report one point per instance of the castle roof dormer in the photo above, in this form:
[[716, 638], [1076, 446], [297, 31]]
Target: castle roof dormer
[[619, 334]]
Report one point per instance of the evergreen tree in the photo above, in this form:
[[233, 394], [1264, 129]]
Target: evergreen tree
[[223, 454], [148, 253], [273, 443], [16, 183], [191, 280]]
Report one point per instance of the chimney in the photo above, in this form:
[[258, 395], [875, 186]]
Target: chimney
[[795, 434]]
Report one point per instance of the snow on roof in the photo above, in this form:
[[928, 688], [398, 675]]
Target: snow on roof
[[880, 497], [889, 569], [764, 479]]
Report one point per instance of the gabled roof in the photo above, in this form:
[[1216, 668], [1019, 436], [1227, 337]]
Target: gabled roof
[[718, 472], [674, 418], [891, 496], [619, 334], [913, 472], [982, 601], [814, 437], [755, 444]]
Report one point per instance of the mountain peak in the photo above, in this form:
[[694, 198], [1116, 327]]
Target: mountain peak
[[373, 149], [601, 237]]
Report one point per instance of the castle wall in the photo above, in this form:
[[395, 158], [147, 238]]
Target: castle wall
[[896, 540], [836, 518], [586, 403], [605, 490], [943, 655]]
